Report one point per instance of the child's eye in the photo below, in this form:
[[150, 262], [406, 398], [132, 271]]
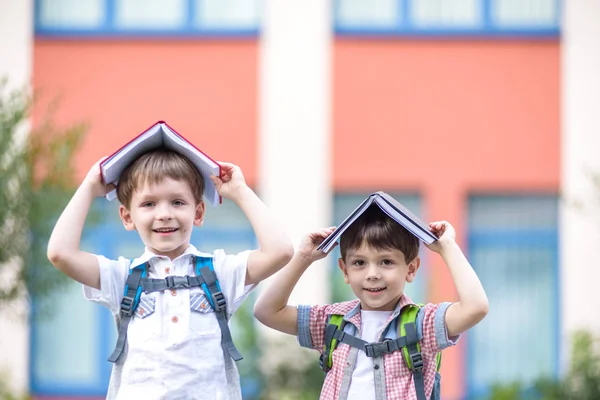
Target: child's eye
[[358, 263], [178, 203], [148, 204], [387, 262]]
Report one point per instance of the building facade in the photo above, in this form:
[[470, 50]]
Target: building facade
[[479, 112]]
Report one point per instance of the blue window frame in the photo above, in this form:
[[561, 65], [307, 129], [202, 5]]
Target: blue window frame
[[206, 18], [122, 18], [343, 205], [69, 347], [502, 18], [513, 247]]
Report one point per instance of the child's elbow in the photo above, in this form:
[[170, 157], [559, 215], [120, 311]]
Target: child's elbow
[[259, 313], [283, 255], [286, 254], [55, 257], [481, 310]]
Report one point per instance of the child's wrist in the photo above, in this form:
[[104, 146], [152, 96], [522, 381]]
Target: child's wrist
[[304, 260], [240, 193], [448, 247]]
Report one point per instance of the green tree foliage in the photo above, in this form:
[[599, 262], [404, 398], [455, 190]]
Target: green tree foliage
[[36, 182]]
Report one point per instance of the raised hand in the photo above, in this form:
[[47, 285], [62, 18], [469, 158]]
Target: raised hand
[[445, 233], [231, 181], [309, 243], [93, 180]]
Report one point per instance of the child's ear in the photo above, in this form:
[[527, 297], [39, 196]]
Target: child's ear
[[199, 217], [413, 267], [126, 218], [342, 266]]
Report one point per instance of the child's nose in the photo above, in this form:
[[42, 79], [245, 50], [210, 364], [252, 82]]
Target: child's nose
[[164, 212], [372, 272]]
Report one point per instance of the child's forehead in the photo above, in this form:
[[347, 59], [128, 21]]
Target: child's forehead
[[368, 249], [161, 185]]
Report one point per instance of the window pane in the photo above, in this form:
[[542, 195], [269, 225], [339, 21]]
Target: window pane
[[373, 13], [71, 13], [228, 13], [514, 213], [513, 248], [443, 13], [150, 14], [343, 205], [525, 12], [66, 342]]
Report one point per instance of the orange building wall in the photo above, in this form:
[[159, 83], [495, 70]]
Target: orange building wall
[[206, 90], [446, 118]]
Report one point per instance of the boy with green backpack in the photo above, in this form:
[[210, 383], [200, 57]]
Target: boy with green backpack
[[382, 345]]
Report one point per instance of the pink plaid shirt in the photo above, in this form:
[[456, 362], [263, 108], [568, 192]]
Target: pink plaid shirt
[[395, 375]]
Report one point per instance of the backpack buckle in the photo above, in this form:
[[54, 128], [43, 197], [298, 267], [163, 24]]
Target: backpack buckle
[[219, 301], [417, 362], [127, 306], [323, 358], [377, 349], [176, 282], [170, 280]]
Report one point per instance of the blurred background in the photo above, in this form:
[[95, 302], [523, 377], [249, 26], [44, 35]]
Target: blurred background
[[485, 113]]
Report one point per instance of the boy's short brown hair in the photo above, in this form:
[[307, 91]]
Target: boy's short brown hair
[[375, 229], [154, 166]]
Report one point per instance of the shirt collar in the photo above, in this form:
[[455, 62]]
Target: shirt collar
[[149, 256], [353, 316]]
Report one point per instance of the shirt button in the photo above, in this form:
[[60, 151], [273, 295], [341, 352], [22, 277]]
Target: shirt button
[[174, 292], [167, 270], [376, 366], [174, 320]]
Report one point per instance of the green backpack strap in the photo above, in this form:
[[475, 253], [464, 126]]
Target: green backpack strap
[[335, 323], [408, 315]]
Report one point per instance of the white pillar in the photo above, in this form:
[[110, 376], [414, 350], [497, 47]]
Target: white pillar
[[16, 48], [295, 127], [580, 231]]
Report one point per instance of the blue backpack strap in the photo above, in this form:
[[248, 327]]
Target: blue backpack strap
[[131, 299], [205, 271]]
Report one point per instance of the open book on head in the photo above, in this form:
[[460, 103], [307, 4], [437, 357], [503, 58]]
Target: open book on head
[[161, 135], [393, 209]]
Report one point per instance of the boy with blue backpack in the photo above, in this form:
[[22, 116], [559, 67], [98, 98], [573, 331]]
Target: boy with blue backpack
[[172, 304], [382, 345]]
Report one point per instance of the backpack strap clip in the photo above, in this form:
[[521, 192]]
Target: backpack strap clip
[[376, 349], [219, 301], [177, 282], [127, 309]]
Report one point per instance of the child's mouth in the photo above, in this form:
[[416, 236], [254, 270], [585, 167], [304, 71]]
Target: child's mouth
[[165, 231], [374, 290]]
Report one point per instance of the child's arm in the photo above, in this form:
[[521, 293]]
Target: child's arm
[[275, 248], [63, 247], [271, 308], [473, 303]]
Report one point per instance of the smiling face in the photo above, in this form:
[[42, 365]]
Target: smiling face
[[378, 257], [164, 214], [377, 276]]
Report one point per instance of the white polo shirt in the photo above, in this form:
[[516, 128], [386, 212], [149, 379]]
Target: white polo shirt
[[174, 341]]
